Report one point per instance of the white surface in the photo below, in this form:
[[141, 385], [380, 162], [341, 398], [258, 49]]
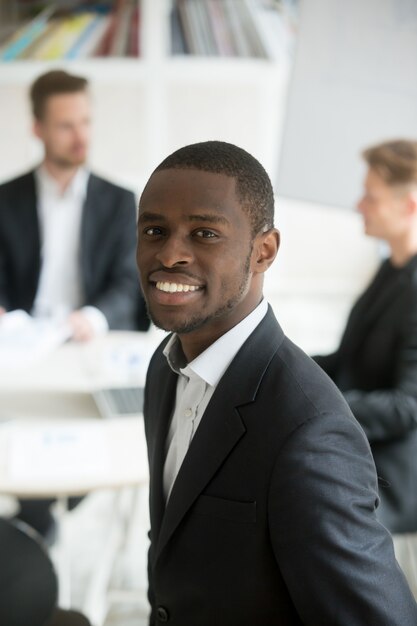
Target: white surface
[[25, 341], [117, 358], [353, 84], [43, 446], [324, 262], [67, 457]]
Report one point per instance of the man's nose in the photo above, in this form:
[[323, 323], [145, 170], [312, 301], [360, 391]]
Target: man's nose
[[175, 251]]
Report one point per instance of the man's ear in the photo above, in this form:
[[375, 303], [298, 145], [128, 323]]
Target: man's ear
[[412, 203], [265, 249], [37, 128]]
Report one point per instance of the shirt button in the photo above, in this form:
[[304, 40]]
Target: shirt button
[[162, 613], [188, 412]]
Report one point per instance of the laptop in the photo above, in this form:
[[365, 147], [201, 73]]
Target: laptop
[[119, 401]]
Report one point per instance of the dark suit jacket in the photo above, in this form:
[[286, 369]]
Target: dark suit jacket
[[271, 519], [376, 368], [108, 242]]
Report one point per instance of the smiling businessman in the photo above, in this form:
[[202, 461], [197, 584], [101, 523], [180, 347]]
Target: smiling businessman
[[262, 487]]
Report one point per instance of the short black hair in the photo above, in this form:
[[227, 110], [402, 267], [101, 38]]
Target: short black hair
[[253, 185], [53, 83]]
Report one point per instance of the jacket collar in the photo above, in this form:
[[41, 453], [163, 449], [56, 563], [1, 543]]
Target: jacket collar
[[220, 429]]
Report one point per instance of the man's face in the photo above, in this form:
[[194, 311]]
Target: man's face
[[383, 208], [195, 253], [65, 129]]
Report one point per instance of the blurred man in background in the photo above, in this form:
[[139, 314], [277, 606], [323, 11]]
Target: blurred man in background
[[375, 365], [67, 236]]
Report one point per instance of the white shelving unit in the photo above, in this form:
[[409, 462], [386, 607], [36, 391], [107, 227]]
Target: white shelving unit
[[145, 108]]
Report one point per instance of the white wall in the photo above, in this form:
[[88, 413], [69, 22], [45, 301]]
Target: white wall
[[324, 261]]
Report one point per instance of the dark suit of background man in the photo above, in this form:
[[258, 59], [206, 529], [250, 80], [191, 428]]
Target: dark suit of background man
[[375, 365], [263, 491], [67, 236]]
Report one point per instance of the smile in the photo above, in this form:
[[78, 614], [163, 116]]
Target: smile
[[175, 287]]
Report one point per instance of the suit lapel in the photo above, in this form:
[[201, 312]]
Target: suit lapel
[[29, 236], [160, 415], [221, 426], [88, 229]]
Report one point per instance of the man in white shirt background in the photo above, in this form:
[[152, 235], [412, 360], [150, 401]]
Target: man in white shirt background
[[67, 236]]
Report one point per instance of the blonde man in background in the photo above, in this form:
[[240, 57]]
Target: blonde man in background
[[375, 365]]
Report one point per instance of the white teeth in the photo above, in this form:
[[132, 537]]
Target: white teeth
[[173, 287]]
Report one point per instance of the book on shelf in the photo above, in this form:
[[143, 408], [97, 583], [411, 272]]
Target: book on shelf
[[103, 47], [233, 13], [61, 37], [122, 35], [93, 29], [221, 28], [217, 28], [134, 36], [119, 45], [248, 30], [89, 40], [206, 44], [25, 36], [187, 24], [29, 51], [178, 40]]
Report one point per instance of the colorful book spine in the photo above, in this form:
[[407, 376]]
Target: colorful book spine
[[104, 46], [89, 39], [134, 36], [62, 38], [26, 35], [120, 43]]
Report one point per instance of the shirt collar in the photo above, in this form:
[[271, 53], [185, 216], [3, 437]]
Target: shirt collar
[[77, 187], [211, 364]]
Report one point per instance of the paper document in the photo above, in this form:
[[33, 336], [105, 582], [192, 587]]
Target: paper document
[[57, 451], [24, 339]]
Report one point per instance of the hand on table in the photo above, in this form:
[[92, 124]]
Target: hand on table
[[81, 326]]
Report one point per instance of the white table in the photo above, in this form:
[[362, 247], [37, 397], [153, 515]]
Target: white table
[[76, 367]]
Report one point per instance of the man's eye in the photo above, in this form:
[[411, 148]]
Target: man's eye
[[153, 231], [205, 234]]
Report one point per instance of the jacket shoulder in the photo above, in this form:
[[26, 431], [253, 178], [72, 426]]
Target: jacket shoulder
[[16, 184], [303, 387], [97, 183]]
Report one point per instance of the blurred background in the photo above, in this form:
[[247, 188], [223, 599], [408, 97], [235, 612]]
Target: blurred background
[[304, 85]]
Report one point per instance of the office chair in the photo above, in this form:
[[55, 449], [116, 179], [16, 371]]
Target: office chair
[[28, 583]]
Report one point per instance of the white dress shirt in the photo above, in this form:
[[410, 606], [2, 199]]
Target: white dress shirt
[[196, 384], [60, 214]]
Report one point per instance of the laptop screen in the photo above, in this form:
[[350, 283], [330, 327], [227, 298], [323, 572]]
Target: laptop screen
[[114, 401]]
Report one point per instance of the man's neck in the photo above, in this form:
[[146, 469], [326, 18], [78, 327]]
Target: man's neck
[[62, 175], [402, 250]]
